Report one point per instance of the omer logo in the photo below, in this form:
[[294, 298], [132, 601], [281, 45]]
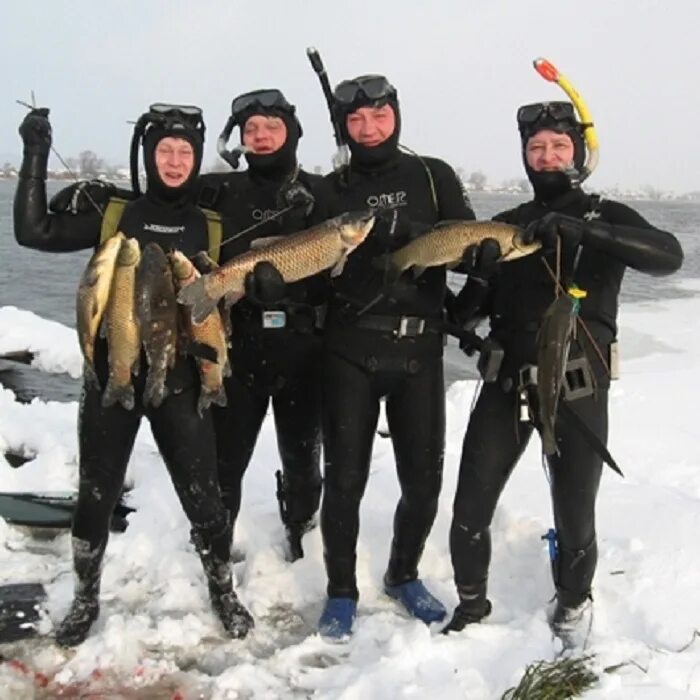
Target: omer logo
[[388, 199], [264, 214]]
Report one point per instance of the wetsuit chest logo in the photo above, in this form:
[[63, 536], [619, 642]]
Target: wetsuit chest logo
[[388, 199], [265, 214], [160, 228]]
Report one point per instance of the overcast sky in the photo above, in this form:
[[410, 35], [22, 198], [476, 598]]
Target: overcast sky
[[461, 68]]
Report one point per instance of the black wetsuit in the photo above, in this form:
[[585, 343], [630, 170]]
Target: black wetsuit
[[375, 347], [106, 434], [495, 438], [278, 364]]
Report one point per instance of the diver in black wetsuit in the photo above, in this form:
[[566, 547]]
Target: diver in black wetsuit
[[172, 140], [597, 240], [384, 341], [275, 345]]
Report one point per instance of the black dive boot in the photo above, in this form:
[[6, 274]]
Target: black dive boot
[[297, 508], [85, 608], [473, 607], [214, 553]]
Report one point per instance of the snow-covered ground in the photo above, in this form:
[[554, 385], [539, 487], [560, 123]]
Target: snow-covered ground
[[157, 635]]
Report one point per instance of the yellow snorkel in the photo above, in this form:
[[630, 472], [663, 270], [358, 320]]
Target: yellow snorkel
[[549, 72]]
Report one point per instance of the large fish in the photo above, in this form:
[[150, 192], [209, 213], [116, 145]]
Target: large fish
[[296, 256], [157, 312], [210, 332], [446, 242], [92, 298], [123, 336], [553, 343]]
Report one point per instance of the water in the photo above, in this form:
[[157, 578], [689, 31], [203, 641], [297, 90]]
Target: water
[[46, 283]]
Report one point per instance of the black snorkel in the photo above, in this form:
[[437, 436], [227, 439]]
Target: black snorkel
[[233, 156], [341, 158]]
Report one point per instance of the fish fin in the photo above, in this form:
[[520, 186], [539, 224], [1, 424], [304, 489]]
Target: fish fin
[[264, 242], [338, 268], [155, 392], [453, 265], [123, 395], [227, 371], [102, 331], [90, 375], [207, 398], [417, 271], [195, 296], [230, 299]]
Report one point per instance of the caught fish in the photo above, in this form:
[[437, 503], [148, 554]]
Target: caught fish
[[204, 265], [92, 298], [123, 333], [445, 244], [553, 343], [296, 256], [157, 313], [210, 333]]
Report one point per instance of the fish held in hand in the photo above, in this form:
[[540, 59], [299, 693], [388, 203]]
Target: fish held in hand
[[445, 245], [210, 333], [157, 313], [296, 257], [92, 298], [123, 333]]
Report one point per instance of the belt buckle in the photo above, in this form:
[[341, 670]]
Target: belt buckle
[[274, 319], [410, 326], [527, 376], [578, 379]]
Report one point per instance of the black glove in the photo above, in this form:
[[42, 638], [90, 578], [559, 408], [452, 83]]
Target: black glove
[[295, 194], [264, 286], [83, 196], [552, 226], [35, 131], [480, 261]]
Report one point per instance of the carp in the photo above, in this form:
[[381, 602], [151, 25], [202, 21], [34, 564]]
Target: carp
[[92, 298], [210, 332], [158, 315], [123, 333], [296, 256], [446, 242]]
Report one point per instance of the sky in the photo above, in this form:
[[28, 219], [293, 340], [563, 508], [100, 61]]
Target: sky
[[156, 631], [461, 70]]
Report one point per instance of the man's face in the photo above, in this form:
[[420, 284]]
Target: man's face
[[371, 126], [174, 160], [549, 150], [264, 134]]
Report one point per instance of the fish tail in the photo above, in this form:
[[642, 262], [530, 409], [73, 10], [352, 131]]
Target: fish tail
[[123, 395], [196, 297], [155, 392], [207, 397], [90, 375]]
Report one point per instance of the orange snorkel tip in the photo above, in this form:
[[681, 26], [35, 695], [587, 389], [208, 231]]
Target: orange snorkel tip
[[546, 69]]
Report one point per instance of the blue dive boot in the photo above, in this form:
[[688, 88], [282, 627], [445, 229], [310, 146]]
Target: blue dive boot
[[416, 598], [336, 620]]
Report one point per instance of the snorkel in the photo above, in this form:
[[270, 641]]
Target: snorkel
[[549, 72], [233, 156]]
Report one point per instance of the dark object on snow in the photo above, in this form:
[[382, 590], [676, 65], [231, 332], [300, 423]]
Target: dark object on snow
[[20, 605], [25, 357], [15, 459], [42, 512]]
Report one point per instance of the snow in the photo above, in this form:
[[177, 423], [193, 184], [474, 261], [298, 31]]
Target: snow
[[157, 634]]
